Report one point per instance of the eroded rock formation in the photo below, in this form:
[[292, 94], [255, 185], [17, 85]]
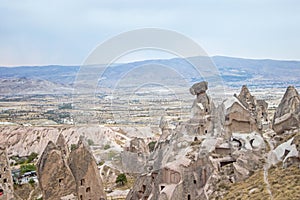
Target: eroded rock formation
[[69, 176], [287, 115], [55, 177], [245, 114], [84, 169], [195, 158]]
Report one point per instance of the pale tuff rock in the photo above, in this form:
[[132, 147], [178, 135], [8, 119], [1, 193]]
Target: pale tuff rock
[[203, 111], [62, 145], [199, 88], [245, 114], [135, 155], [165, 128], [251, 141], [202, 104], [55, 177], [84, 169], [179, 167], [6, 182], [138, 145], [22, 140], [247, 99], [191, 161], [69, 177], [238, 118], [287, 115], [285, 152]]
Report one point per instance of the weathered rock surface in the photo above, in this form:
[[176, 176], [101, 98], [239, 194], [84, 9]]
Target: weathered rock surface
[[69, 177], [6, 182], [202, 104], [287, 115], [245, 114], [247, 99], [138, 145], [62, 145], [199, 88], [55, 177], [85, 171], [186, 163], [22, 141]]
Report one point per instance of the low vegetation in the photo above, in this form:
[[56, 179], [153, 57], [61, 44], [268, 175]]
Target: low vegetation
[[252, 188], [107, 146], [24, 160], [73, 147], [284, 184], [151, 145], [90, 142], [27, 168], [121, 179]]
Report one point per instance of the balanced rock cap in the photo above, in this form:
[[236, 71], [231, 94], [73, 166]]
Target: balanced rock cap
[[199, 88]]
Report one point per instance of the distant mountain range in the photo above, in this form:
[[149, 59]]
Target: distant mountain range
[[234, 72]]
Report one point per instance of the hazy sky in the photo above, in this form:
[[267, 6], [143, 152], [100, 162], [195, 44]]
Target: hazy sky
[[66, 31]]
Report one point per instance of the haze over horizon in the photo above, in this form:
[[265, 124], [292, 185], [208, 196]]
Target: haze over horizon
[[64, 33]]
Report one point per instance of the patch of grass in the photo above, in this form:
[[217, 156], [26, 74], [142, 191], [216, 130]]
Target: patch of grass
[[90, 142], [241, 190], [101, 163], [73, 147], [107, 146], [285, 182], [151, 145], [27, 168]]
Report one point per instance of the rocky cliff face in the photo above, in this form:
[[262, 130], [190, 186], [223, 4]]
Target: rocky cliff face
[[287, 115], [69, 177]]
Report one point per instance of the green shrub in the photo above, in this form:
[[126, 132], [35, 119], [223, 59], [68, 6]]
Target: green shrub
[[107, 146], [31, 157], [101, 163], [151, 145], [27, 168], [121, 179], [31, 182], [73, 147], [90, 142]]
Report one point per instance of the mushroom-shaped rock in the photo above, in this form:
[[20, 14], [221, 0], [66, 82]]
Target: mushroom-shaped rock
[[199, 88]]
